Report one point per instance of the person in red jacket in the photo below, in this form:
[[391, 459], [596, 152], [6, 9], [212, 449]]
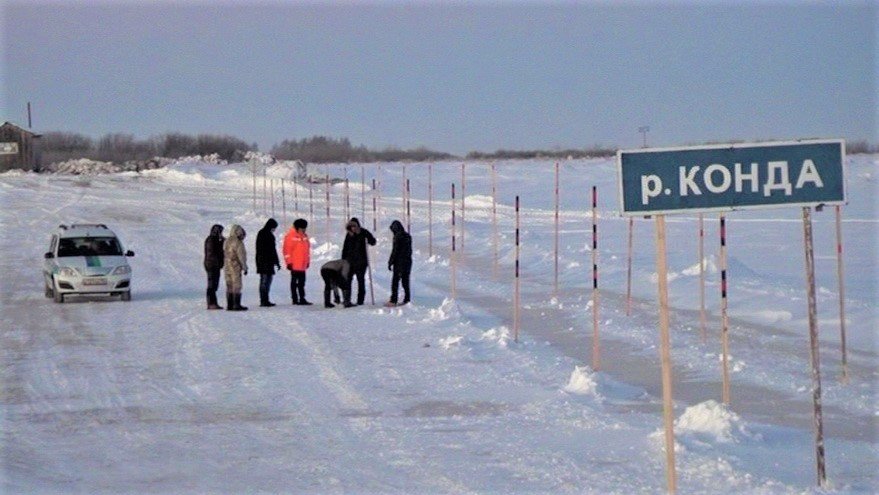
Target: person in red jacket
[[297, 256]]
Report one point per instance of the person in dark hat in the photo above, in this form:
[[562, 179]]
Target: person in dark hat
[[297, 256], [266, 260], [400, 262], [354, 252], [213, 263]]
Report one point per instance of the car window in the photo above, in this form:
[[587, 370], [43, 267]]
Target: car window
[[89, 246]]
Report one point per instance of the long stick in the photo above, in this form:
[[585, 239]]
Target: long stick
[[253, 174], [463, 207], [839, 271], [265, 208], [724, 305], [703, 320], [596, 348], [454, 247], [369, 266], [272, 192], [555, 290], [327, 203], [403, 185], [379, 194], [629, 268], [516, 291], [310, 203], [665, 354], [494, 237], [295, 196], [363, 192], [430, 210], [813, 341], [347, 199]]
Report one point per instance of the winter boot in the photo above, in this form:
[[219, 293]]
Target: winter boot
[[238, 306], [327, 303], [212, 300], [295, 298], [303, 302], [346, 296], [230, 302]]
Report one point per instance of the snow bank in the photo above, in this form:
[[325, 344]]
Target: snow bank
[[83, 166], [448, 309], [711, 421], [582, 382], [708, 265]]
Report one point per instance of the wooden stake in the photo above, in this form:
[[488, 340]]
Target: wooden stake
[[665, 354], [596, 348], [516, 291], [703, 319], [453, 256], [494, 237], [724, 305], [374, 215], [327, 203], [839, 273], [629, 269], [555, 290], [430, 210], [813, 340]]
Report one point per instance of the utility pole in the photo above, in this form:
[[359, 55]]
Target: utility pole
[[29, 126], [644, 129]]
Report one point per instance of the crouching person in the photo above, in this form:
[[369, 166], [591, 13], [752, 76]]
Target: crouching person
[[235, 263], [336, 275]]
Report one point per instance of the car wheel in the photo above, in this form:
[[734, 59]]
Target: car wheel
[[126, 296], [57, 296]]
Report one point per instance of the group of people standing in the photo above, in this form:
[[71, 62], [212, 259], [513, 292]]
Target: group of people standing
[[230, 256]]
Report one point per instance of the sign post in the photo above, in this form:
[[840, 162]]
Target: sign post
[[725, 178]]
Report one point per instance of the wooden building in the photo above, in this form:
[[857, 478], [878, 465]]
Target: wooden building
[[19, 148]]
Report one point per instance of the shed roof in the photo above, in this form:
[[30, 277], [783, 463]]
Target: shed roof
[[19, 129]]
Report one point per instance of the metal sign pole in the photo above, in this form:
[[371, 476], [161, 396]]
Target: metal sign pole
[[629, 269], [813, 340], [703, 321]]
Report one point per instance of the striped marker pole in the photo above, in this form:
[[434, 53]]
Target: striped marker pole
[[430, 210], [310, 203], [839, 272], [284, 203], [555, 290], [817, 415], [629, 268], [378, 190], [347, 198], [454, 247], [374, 212], [403, 185], [494, 238], [408, 208], [703, 319], [596, 349], [265, 193], [363, 192], [253, 175], [724, 329], [295, 196], [327, 203], [272, 194], [516, 292]]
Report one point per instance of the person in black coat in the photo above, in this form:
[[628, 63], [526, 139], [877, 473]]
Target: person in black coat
[[354, 252], [213, 263], [400, 262], [266, 260]]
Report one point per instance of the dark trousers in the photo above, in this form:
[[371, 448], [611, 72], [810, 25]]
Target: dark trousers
[[400, 276], [333, 280], [360, 273], [297, 286], [265, 284], [213, 285]]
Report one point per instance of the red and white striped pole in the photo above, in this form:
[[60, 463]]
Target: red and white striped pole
[[703, 320], [555, 290], [347, 198], [284, 203], [629, 268], [596, 349], [403, 185], [724, 305], [363, 192], [295, 196], [328, 208], [374, 213], [839, 271], [272, 193], [516, 290], [463, 206], [454, 247], [378, 191], [310, 203]]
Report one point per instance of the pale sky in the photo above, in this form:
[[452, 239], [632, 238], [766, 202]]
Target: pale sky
[[452, 77]]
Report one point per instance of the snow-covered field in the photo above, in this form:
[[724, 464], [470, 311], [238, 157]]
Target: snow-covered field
[[158, 395]]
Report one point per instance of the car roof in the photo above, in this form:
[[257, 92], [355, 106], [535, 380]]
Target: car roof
[[84, 230]]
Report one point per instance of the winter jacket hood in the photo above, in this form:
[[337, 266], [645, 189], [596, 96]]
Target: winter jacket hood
[[266, 251], [216, 230], [397, 227], [271, 224], [213, 249], [236, 231]]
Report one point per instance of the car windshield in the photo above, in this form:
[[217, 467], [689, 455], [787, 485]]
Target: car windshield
[[89, 246]]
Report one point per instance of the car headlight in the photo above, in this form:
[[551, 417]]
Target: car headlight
[[67, 272], [122, 270]]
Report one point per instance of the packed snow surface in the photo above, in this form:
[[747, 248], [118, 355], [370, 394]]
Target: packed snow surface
[[447, 394]]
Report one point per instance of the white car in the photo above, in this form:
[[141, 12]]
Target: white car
[[86, 259]]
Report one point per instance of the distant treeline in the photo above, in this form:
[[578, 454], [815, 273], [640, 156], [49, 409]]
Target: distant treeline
[[121, 148], [593, 152]]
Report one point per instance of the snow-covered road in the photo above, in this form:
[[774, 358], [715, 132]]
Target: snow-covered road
[[159, 395]]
